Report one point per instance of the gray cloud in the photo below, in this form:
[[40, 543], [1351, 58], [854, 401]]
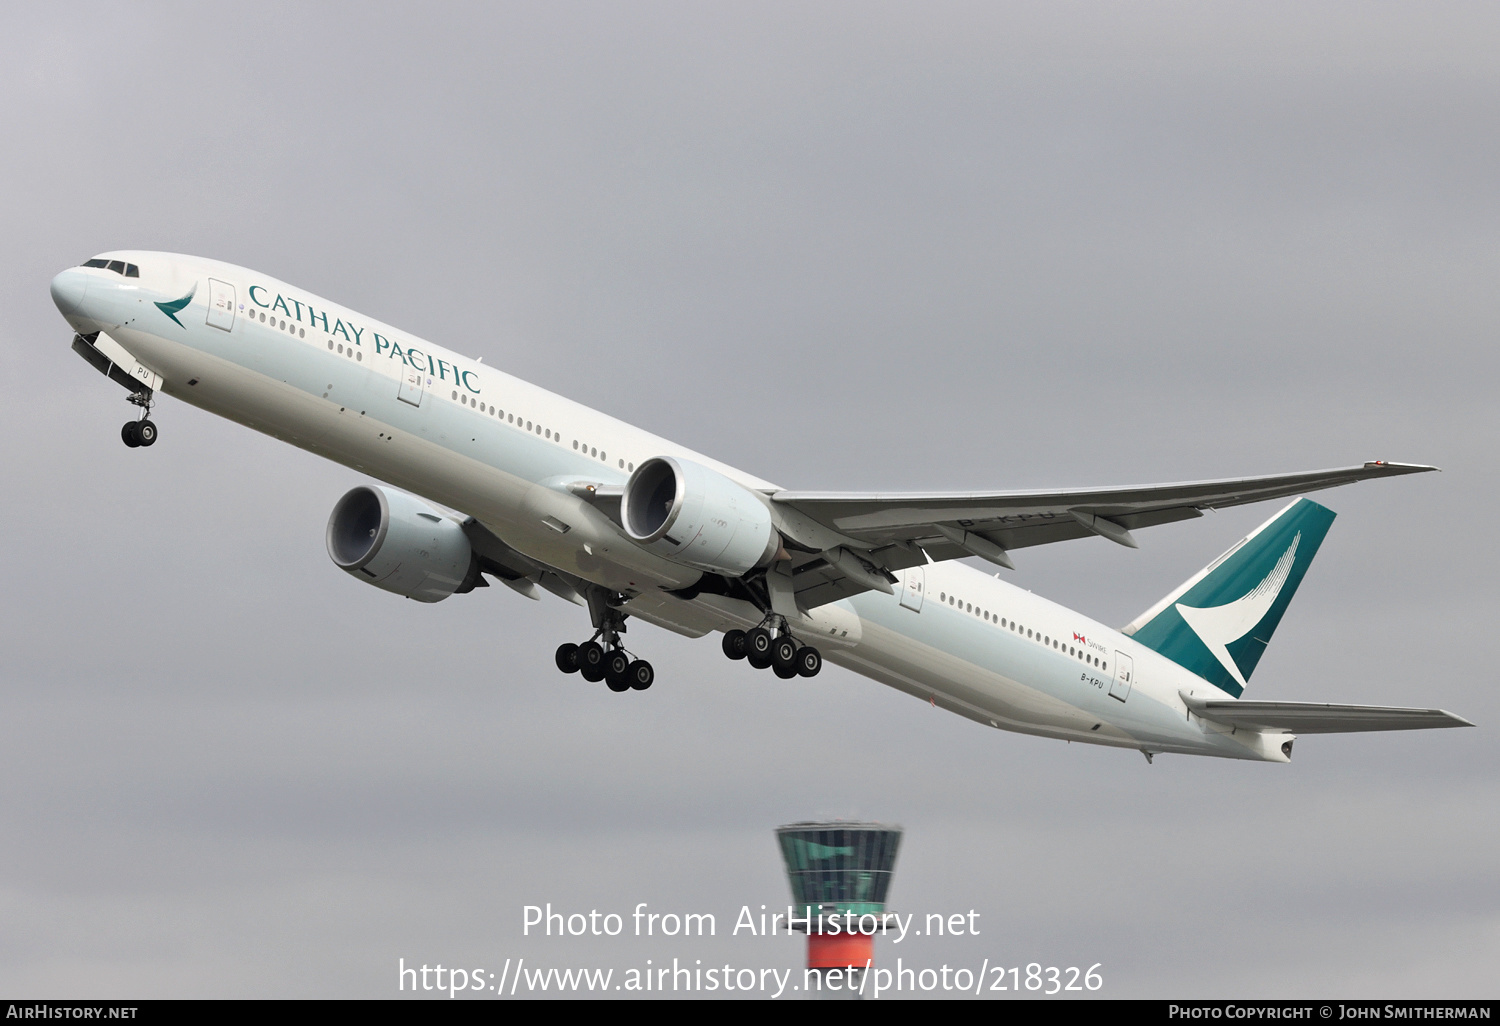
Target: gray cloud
[[886, 246]]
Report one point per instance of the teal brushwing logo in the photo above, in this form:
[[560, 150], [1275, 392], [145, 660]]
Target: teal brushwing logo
[[1219, 622], [1219, 626], [175, 307]]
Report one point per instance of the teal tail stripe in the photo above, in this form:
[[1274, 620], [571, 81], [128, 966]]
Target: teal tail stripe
[[1218, 623]]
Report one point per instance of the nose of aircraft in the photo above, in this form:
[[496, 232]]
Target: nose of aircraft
[[68, 290]]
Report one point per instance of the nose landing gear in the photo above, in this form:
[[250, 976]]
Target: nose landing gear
[[139, 433]]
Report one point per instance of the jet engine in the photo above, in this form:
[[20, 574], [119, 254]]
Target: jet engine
[[397, 542], [698, 517]]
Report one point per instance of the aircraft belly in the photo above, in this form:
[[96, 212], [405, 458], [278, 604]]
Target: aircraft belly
[[942, 677], [959, 663], [349, 423]]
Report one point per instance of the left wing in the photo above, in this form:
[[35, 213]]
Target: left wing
[[855, 540]]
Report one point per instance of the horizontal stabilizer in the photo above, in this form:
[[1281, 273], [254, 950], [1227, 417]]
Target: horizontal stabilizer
[[1319, 717]]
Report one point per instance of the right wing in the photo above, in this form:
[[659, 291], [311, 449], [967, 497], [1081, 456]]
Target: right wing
[[1319, 717]]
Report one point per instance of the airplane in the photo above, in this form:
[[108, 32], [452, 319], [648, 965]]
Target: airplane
[[486, 477]]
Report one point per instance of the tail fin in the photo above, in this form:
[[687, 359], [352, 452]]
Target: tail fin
[[1219, 622]]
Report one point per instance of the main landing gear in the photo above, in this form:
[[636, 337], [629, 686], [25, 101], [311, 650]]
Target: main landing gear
[[780, 652], [138, 433], [603, 657], [612, 664]]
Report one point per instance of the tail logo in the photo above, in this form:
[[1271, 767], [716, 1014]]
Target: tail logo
[[175, 307], [1218, 626]]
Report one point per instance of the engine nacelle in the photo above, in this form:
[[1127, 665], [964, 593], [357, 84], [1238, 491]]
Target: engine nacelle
[[397, 542], [698, 517]]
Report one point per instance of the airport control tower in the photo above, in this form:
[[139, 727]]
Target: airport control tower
[[840, 873]]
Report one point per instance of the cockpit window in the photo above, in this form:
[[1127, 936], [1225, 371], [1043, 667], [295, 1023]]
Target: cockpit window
[[118, 266]]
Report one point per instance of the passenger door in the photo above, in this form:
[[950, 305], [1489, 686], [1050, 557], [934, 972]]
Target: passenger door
[[412, 386], [220, 304], [914, 580], [1124, 677]]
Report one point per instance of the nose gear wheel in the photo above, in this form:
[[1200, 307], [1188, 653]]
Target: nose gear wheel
[[140, 433]]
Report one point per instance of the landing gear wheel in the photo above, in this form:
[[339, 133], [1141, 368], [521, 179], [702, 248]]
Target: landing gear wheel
[[784, 672], [784, 655], [640, 674], [758, 647], [617, 684], [145, 433], [591, 661], [616, 664], [128, 434], [809, 661], [734, 644], [567, 658]]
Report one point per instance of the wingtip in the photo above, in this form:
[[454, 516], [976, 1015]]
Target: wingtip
[[1388, 467]]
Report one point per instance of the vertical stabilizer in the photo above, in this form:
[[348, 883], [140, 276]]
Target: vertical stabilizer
[[1219, 622]]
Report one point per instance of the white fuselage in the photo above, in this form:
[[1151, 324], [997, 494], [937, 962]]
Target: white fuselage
[[464, 434]]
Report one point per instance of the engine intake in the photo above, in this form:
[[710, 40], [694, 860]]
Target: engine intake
[[698, 517], [399, 543]]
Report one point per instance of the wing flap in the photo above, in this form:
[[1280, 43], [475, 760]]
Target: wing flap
[[1319, 717]]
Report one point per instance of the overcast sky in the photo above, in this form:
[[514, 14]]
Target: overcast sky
[[853, 246]]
